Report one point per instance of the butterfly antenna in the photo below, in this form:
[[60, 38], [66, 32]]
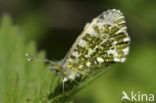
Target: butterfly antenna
[[36, 58]]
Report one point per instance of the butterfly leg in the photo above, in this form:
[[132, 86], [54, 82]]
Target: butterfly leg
[[63, 82]]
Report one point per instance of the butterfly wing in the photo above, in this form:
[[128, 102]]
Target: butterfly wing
[[103, 41]]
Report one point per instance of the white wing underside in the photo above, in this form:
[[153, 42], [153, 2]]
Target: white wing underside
[[107, 17]]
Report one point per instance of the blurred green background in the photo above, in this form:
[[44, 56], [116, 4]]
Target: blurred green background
[[54, 25]]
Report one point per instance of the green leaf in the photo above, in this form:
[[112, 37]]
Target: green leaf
[[20, 80]]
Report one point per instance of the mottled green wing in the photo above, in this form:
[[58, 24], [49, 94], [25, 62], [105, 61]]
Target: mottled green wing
[[103, 41]]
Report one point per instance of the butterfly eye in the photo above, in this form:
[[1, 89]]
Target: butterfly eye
[[52, 68]]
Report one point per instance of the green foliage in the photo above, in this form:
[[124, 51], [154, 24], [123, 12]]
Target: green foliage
[[20, 80], [27, 82]]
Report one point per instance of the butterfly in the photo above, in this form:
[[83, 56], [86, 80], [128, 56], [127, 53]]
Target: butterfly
[[102, 42]]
